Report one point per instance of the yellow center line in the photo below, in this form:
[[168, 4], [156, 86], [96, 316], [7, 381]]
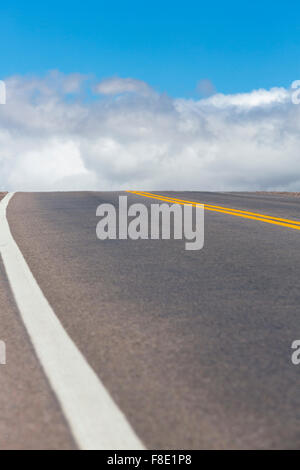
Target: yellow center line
[[294, 224]]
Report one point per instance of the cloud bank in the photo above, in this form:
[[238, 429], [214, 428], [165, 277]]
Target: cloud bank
[[58, 134]]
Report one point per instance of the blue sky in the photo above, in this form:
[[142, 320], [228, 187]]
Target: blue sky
[[239, 46]]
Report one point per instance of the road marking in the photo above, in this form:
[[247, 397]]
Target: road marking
[[94, 419], [294, 224]]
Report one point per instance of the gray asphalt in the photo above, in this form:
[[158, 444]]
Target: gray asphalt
[[194, 347], [30, 415]]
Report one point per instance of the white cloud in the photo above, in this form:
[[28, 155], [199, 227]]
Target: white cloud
[[116, 86], [205, 87], [256, 98], [50, 140]]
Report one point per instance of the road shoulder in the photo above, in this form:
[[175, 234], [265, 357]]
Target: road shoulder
[[30, 415]]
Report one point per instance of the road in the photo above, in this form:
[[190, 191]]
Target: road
[[194, 347]]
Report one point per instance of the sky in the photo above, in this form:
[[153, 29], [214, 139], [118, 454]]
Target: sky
[[150, 95], [170, 44]]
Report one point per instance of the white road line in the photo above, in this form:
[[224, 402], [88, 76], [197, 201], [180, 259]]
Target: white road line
[[94, 419]]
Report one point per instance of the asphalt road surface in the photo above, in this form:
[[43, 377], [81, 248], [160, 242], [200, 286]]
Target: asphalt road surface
[[193, 346]]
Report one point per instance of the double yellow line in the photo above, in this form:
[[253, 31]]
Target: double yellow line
[[294, 224]]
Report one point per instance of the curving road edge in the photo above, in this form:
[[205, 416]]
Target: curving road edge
[[94, 419]]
